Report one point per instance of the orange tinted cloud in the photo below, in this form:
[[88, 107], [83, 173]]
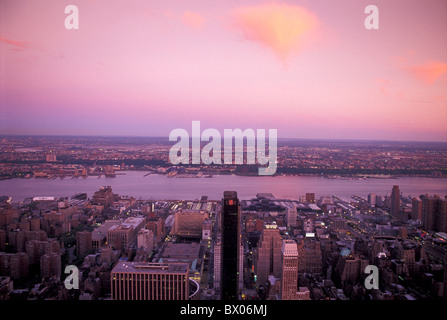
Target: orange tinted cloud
[[193, 19], [282, 28], [429, 72], [18, 44]]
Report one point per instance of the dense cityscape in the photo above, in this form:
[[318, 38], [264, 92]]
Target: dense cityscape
[[313, 247]]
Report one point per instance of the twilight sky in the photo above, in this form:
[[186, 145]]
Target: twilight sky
[[309, 69]]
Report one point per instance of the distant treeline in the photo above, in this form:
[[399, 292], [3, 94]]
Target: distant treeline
[[252, 169], [88, 162], [286, 170], [243, 169]]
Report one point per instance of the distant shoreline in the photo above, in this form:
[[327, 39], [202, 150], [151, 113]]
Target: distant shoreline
[[209, 174]]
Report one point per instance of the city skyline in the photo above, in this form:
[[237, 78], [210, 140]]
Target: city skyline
[[310, 70], [322, 255]]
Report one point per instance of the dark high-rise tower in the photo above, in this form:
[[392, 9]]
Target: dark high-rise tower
[[231, 241], [434, 213], [395, 202]]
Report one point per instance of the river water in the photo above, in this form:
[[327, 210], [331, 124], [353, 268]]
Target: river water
[[155, 186]]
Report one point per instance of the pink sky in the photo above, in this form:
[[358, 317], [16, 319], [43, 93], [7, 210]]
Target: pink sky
[[309, 69]]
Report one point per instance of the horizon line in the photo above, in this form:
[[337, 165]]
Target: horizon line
[[167, 138]]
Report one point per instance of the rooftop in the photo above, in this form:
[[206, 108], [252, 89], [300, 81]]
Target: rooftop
[[182, 250], [230, 194], [150, 267], [129, 223]]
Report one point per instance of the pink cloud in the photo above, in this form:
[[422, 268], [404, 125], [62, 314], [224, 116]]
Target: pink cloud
[[18, 44], [428, 72], [193, 19], [390, 89], [283, 28]]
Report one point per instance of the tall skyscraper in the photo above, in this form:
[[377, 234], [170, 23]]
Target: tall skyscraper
[[218, 264], [416, 209], [395, 201], [50, 264], [352, 267], [434, 213], [309, 256], [445, 277], [83, 242], [268, 260], [231, 243], [157, 225], [14, 265], [442, 215], [379, 201], [372, 199], [291, 216], [427, 212], [289, 279]]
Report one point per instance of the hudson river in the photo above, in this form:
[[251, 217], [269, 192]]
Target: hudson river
[[154, 186]]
